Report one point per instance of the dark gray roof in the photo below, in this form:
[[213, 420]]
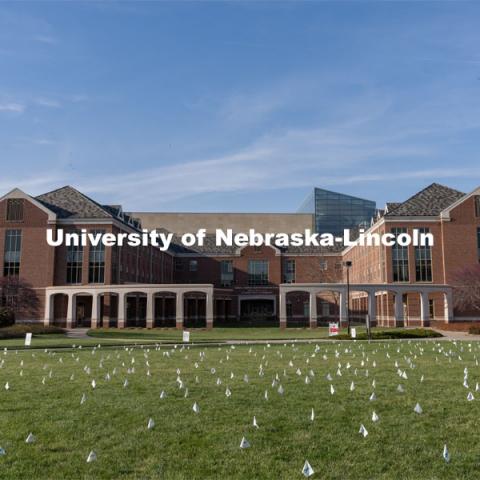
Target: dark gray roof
[[391, 206], [429, 202], [211, 249], [67, 202]]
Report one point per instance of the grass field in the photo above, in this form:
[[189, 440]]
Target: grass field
[[133, 336], [46, 389]]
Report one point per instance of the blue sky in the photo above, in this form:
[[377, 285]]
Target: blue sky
[[239, 106]]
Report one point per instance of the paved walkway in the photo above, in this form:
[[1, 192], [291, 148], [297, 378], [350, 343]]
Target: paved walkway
[[80, 333]]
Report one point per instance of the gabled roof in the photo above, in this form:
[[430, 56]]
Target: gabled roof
[[391, 206], [68, 202], [429, 202]]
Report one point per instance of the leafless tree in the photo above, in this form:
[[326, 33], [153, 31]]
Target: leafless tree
[[467, 288], [18, 297]]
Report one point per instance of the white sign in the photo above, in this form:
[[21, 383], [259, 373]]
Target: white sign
[[28, 339], [186, 336], [353, 332], [333, 329]]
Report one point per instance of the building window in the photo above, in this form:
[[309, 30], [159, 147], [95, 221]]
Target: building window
[[478, 243], [289, 271], [15, 210], [96, 265], [179, 266], [258, 272], [306, 308], [399, 258], [13, 248], [323, 265], [431, 308], [74, 263], [477, 205], [289, 309], [226, 273], [423, 261], [193, 265]]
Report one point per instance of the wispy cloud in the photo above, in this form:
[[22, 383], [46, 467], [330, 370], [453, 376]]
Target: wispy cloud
[[47, 102], [48, 39], [12, 107]]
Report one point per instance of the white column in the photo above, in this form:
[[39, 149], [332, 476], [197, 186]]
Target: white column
[[372, 308], [121, 310], [424, 308], [209, 309], [313, 310], [48, 318], [398, 310], [150, 310], [283, 309], [71, 304], [179, 310], [343, 307], [448, 302], [95, 310]]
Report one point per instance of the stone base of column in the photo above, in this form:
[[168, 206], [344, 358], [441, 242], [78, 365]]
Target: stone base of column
[[69, 323], [209, 324], [149, 323], [120, 323], [179, 325], [283, 324], [93, 323], [313, 324]]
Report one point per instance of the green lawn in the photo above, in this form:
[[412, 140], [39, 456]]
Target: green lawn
[[222, 334], [185, 445]]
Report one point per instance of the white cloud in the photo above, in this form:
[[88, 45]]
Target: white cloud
[[12, 107], [47, 102], [48, 39]]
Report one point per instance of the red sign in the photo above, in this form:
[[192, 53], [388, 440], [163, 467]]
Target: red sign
[[333, 329]]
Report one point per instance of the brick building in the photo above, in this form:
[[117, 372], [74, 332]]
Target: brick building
[[211, 285]]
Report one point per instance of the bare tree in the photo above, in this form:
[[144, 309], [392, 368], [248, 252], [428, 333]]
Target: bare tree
[[18, 297], [467, 288]]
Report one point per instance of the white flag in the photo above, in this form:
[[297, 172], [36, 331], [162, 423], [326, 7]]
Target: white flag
[[244, 443], [307, 469]]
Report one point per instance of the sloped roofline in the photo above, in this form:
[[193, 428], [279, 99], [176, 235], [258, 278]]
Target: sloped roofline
[[17, 193], [445, 214]]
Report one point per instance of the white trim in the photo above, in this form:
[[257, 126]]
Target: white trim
[[17, 193], [445, 214]]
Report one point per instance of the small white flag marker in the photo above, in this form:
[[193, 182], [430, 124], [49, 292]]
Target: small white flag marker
[[307, 469], [255, 424], [446, 453], [470, 396], [92, 457], [375, 417], [373, 397], [244, 443], [363, 431], [150, 423], [2, 451], [31, 438], [83, 399], [312, 415], [196, 408], [418, 409]]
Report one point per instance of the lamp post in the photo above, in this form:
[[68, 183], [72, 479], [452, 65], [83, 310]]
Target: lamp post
[[348, 265]]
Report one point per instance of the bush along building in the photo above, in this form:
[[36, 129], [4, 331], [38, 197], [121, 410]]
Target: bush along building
[[211, 286]]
